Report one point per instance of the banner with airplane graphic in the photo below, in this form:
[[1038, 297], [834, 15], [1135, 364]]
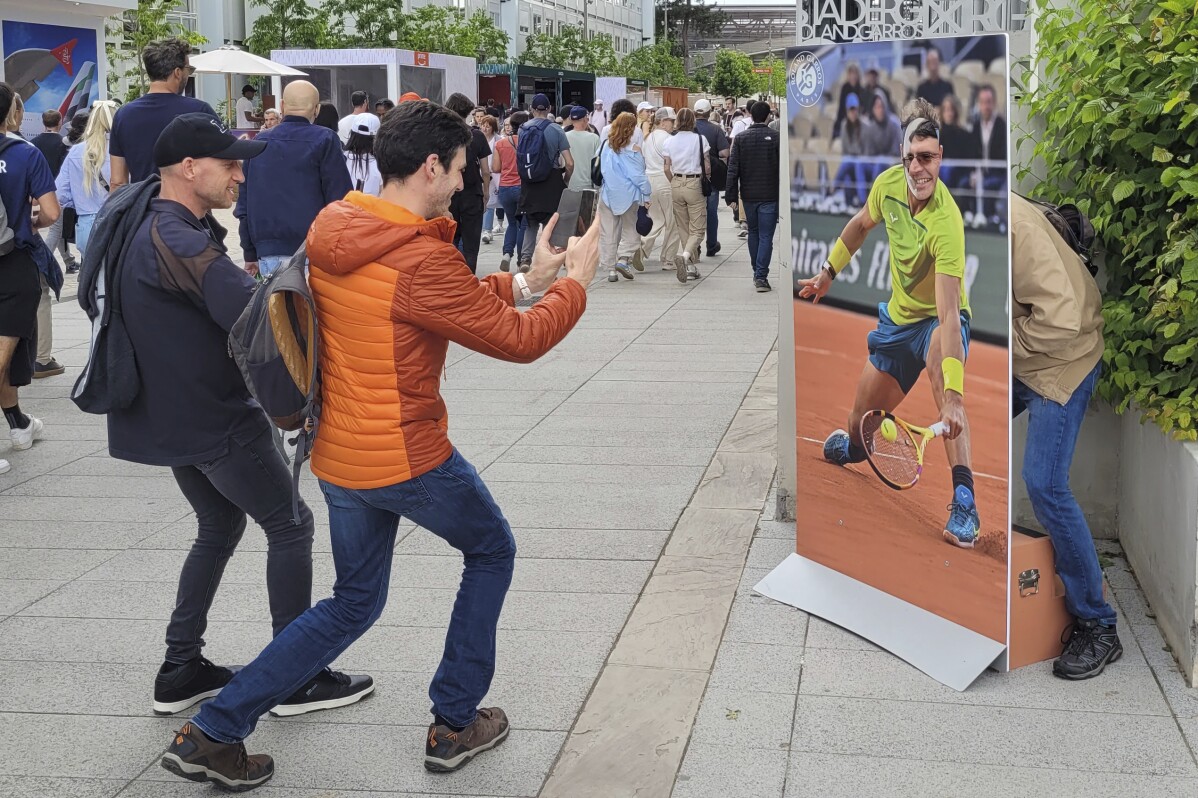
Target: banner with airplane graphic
[[51, 67]]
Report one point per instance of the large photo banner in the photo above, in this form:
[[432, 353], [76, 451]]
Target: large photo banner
[[52, 67], [899, 159]]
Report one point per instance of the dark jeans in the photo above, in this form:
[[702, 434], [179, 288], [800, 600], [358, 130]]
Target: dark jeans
[[532, 224], [450, 501], [713, 219], [1051, 438], [513, 235], [252, 480], [467, 211], [762, 218]]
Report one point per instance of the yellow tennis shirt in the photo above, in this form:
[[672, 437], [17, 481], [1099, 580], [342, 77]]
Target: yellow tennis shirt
[[921, 246]]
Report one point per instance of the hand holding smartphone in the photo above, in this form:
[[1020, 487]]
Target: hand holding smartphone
[[575, 212]]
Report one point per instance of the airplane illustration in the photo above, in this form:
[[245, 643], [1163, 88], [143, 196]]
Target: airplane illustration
[[24, 68]]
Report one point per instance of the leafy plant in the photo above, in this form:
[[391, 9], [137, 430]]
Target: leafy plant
[[569, 50], [436, 29], [1117, 97], [656, 64], [368, 23], [773, 83], [733, 74], [128, 33], [289, 23]]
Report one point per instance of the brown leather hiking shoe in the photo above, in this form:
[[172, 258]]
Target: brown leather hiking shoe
[[447, 750], [196, 757]]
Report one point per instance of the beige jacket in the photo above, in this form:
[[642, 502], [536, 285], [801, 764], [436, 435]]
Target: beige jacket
[[1056, 309]]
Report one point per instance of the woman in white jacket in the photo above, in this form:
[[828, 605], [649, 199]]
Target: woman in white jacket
[[359, 154], [82, 182]]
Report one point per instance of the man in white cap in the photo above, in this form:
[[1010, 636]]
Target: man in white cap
[[644, 117], [717, 139], [599, 115]]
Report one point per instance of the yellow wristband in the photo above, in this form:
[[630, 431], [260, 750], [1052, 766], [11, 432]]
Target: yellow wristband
[[954, 375], [839, 258]]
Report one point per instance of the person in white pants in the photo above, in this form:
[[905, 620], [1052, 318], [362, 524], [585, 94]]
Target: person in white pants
[[625, 189], [661, 210]]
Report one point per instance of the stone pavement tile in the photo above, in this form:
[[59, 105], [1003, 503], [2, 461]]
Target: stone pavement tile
[[45, 456], [678, 425], [678, 620], [609, 410], [580, 612], [630, 736], [622, 432], [51, 787], [101, 465], [73, 745], [51, 564], [755, 619], [686, 318], [179, 536], [756, 668], [186, 789], [749, 578], [17, 594], [683, 395], [1129, 690], [782, 530], [1030, 738], [333, 756], [721, 771], [739, 378], [706, 532], [745, 719], [1136, 609], [592, 506], [761, 400], [1182, 699], [75, 432], [487, 437], [682, 360], [836, 776], [570, 544], [54, 509], [720, 341], [487, 401], [736, 480], [768, 552], [627, 458], [752, 431], [111, 535], [539, 473]]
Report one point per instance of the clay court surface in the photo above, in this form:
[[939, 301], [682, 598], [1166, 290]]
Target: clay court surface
[[850, 521]]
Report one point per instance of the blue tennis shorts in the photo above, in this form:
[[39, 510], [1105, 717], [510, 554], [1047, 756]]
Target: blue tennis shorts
[[901, 350]]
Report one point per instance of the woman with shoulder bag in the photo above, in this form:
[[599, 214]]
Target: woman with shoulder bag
[[82, 182], [687, 160], [625, 189], [662, 208]]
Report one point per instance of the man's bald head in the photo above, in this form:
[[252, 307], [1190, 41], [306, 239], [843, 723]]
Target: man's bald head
[[301, 98]]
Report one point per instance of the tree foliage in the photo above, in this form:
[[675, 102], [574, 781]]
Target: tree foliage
[[1117, 98], [368, 23], [569, 50], [657, 64], [733, 75], [132, 31], [436, 29], [773, 83], [289, 23], [687, 18]]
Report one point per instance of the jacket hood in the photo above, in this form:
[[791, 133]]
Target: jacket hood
[[361, 229]]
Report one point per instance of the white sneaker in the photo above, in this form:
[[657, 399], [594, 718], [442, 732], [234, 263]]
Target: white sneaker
[[487, 237], [4, 466], [23, 438]]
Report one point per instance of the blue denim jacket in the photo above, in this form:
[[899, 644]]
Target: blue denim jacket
[[624, 180]]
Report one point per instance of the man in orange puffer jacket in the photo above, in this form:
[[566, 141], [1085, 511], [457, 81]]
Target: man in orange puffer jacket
[[391, 292]]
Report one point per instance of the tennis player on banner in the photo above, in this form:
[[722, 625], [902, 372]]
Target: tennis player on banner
[[925, 324]]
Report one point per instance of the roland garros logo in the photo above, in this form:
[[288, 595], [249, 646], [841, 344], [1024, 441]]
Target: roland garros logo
[[806, 76]]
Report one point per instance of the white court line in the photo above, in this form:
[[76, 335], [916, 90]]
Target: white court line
[[811, 351], [981, 474]]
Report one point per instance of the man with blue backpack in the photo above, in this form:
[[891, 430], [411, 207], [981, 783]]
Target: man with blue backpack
[[545, 165]]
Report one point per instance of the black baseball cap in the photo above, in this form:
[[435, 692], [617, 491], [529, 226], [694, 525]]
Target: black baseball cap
[[540, 103], [199, 135], [578, 112]]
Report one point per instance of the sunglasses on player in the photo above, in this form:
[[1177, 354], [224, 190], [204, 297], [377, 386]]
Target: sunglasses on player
[[925, 158]]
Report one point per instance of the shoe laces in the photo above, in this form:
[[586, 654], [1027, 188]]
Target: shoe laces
[[959, 513], [1079, 638], [337, 676]]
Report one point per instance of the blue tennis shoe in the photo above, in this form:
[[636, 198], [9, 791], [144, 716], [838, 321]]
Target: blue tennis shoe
[[964, 524]]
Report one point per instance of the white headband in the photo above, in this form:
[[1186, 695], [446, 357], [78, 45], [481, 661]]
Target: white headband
[[911, 128]]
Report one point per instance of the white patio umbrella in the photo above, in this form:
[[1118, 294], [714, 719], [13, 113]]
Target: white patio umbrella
[[231, 60]]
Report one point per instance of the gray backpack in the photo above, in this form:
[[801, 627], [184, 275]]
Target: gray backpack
[[276, 345], [8, 238]]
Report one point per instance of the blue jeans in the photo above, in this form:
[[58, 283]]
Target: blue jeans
[[450, 501], [1051, 438], [509, 198], [713, 219], [83, 231], [488, 219], [762, 218], [268, 263]]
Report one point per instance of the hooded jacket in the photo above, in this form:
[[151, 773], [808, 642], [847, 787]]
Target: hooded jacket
[[885, 138], [1056, 315], [391, 292]]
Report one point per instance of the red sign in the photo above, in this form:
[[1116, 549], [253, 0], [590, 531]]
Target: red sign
[[421, 59], [761, 71]]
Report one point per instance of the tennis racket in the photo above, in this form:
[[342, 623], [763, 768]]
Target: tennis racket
[[899, 462]]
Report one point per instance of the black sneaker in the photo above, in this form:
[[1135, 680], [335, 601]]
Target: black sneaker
[[713, 251], [179, 686], [73, 268], [447, 750], [329, 689], [197, 757], [1089, 647], [762, 286]]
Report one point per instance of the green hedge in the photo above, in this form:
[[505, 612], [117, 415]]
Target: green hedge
[[1120, 106]]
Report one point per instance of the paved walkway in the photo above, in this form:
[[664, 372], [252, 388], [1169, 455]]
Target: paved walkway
[[633, 463]]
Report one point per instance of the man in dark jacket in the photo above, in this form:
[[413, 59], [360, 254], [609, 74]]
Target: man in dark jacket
[[753, 181], [470, 204], [301, 172], [194, 414], [990, 140]]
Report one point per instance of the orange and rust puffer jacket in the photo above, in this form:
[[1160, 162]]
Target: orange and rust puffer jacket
[[391, 292]]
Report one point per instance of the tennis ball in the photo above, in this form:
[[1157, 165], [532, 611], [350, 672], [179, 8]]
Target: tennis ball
[[889, 430]]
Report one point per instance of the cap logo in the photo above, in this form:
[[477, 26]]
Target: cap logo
[[219, 125]]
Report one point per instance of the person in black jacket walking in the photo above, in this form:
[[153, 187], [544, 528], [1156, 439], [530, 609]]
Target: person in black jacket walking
[[753, 180]]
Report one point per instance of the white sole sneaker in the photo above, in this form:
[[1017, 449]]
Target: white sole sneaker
[[22, 439], [5, 466], [164, 708], [291, 710]]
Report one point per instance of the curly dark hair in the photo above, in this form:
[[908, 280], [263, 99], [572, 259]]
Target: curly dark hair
[[412, 132]]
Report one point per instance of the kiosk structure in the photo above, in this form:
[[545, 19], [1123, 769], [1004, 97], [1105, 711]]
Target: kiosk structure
[[380, 73], [514, 85]]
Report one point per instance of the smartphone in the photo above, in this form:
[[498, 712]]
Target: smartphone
[[575, 212]]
